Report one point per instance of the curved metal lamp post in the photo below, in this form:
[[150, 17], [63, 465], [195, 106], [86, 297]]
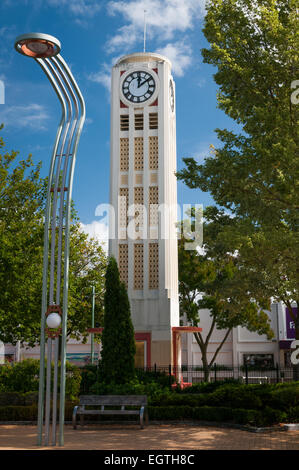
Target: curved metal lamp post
[[45, 50]]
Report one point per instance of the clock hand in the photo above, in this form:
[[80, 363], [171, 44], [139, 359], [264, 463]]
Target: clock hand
[[138, 80], [149, 78]]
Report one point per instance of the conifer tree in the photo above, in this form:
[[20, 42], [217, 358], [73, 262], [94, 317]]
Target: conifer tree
[[118, 342]]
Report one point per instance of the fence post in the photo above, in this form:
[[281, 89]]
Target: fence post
[[155, 369], [246, 373], [277, 373], [215, 371], [169, 371]]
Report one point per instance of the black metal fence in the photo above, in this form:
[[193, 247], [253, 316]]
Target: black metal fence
[[190, 375], [246, 374]]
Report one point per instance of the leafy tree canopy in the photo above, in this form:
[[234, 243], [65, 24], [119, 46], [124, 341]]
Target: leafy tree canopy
[[22, 196]]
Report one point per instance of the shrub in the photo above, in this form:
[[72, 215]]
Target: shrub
[[161, 378], [235, 397], [251, 417], [170, 412], [210, 413], [151, 389], [284, 398], [18, 399], [72, 381], [23, 377], [293, 415], [89, 376], [29, 413], [208, 387], [173, 399]]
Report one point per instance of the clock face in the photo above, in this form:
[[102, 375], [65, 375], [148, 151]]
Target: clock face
[[138, 87], [171, 95]]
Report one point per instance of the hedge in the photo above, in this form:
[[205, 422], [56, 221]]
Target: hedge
[[258, 418], [29, 413]]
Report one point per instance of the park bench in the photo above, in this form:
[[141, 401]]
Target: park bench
[[116, 406]]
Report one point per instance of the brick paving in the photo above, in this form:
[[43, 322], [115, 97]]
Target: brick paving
[[152, 437]]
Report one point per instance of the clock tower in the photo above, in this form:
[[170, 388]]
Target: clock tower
[[144, 197]]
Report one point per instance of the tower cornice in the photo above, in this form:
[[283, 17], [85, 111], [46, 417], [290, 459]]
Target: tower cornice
[[142, 57]]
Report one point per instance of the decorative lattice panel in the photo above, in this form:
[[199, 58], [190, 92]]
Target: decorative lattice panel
[[138, 266], [138, 153], [138, 122], [124, 154], [123, 263], [124, 122], [139, 208], [153, 266], [138, 195], [153, 120], [153, 200], [153, 153], [123, 206]]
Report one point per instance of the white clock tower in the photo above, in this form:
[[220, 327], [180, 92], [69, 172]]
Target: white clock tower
[[144, 197]]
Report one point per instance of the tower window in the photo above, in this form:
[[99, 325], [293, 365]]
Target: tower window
[[138, 153], [123, 206], [138, 122], [139, 210], [153, 205], [124, 122], [123, 263], [138, 266], [153, 266], [153, 153], [124, 154], [153, 120]]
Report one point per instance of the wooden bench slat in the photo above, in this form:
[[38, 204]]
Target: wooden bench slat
[[113, 400], [109, 412]]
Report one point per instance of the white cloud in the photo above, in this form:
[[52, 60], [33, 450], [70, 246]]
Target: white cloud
[[167, 21], [78, 7], [180, 55], [103, 76], [97, 230], [163, 17], [33, 116]]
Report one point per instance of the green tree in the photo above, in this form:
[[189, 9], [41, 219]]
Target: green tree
[[22, 196], [118, 343], [215, 278], [255, 174]]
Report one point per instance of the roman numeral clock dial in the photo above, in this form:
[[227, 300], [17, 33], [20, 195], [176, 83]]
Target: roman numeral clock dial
[[138, 87]]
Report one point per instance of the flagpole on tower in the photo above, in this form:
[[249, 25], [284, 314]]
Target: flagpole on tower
[[144, 31]]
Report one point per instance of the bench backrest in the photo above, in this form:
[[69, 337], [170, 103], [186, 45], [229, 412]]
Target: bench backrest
[[113, 400]]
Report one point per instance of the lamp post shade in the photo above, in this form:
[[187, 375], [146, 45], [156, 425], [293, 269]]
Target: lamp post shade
[[37, 45]]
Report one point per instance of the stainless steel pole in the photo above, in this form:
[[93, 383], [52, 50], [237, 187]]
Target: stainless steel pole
[[92, 325]]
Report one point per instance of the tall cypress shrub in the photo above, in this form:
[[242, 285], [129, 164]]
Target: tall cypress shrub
[[118, 342]]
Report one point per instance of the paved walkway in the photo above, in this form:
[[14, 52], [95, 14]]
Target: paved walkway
[[152, 437]]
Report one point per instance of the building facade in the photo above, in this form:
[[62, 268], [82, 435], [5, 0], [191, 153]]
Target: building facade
[[243, 346]]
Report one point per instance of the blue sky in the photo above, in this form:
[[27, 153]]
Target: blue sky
[[94, 34]]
